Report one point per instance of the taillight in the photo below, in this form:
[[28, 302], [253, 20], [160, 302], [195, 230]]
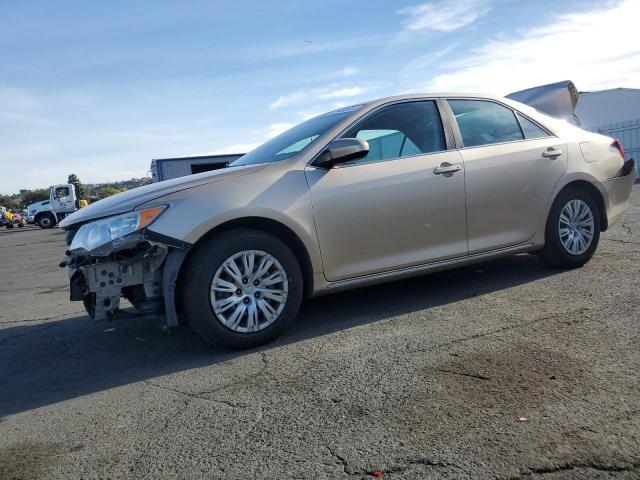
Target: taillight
[[618, 144]]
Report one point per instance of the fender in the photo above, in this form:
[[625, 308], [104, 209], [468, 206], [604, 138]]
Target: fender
[[172, 265], [568, 178]]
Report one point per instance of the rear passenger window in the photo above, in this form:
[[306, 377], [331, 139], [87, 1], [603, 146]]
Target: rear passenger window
[[401, 130], [530, 129], [483, 123]]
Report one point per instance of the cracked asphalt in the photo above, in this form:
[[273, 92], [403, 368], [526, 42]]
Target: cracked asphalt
[[503, 370]]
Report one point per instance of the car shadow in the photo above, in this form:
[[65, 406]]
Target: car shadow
[[51, 362]]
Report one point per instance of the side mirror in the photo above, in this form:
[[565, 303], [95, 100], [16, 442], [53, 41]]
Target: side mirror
[[342, 150]]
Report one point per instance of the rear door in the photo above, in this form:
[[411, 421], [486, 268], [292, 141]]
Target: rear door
[[511, 167]]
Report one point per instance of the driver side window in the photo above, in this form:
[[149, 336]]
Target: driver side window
[[62, 192], [401, 130]]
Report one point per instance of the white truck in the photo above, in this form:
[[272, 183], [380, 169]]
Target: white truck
[[62, 201]]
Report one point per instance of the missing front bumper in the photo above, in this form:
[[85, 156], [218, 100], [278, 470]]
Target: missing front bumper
[[145, 272], [101, 282]]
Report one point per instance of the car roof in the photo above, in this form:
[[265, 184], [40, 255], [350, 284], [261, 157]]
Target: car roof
[[409, 96], [357, 107]]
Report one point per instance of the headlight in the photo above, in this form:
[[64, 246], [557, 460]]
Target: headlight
[[113, 229]]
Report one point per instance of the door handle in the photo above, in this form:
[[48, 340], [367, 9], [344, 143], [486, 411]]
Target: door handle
[[446, 168], [552, 152]]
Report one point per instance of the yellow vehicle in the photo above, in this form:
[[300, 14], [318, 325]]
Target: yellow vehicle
[[8, 219], [6, 214]]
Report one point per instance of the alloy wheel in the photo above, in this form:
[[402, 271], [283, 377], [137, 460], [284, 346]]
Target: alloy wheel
[[249, 291], [576, 227]]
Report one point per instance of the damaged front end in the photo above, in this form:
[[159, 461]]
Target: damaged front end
[[119, 257]]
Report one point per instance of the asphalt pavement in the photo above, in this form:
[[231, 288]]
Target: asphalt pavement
[[502, 370]]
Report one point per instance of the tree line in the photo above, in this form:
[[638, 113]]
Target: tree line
[[89, 192]]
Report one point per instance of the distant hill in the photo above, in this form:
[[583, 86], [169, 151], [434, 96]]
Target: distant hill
[[96, 191], [90, 191]]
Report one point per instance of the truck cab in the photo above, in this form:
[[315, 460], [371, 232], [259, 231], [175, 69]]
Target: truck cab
[[62, 201]]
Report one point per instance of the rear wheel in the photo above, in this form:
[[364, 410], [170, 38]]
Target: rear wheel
[[573, 230], [242, 289], [46, 220]]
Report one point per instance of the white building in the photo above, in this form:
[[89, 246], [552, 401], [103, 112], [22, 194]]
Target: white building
[[608, 106], [615, 113]]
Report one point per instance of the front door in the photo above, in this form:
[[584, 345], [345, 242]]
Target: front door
[[62, 200], [401, 205]]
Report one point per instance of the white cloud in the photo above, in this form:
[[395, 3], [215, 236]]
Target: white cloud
[[327, 44], [274, 129], [290, 99], [17, 101], [348, 71], [311, 112], [443, 16], [235, 148], [425, 64], [261, 136], [48, 134], [314, 94], [343, 93], [596, 49]]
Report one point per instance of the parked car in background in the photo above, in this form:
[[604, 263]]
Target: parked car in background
[[375, 192]]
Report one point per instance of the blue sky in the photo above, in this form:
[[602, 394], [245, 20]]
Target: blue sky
[[101, 88]]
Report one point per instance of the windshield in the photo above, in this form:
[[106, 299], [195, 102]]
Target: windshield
[[295, 139]]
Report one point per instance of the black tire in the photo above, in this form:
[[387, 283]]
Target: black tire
[[89, 302], [554, 254], [196, 283], [69, 237], [46, 220], [9, 225]]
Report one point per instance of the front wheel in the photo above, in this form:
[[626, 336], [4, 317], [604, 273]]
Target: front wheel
[[572, 231], [242, 289], [46, 220]]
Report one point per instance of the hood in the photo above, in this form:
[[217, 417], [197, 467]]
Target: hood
[[38, 204], [129, 200], [555, 99]]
